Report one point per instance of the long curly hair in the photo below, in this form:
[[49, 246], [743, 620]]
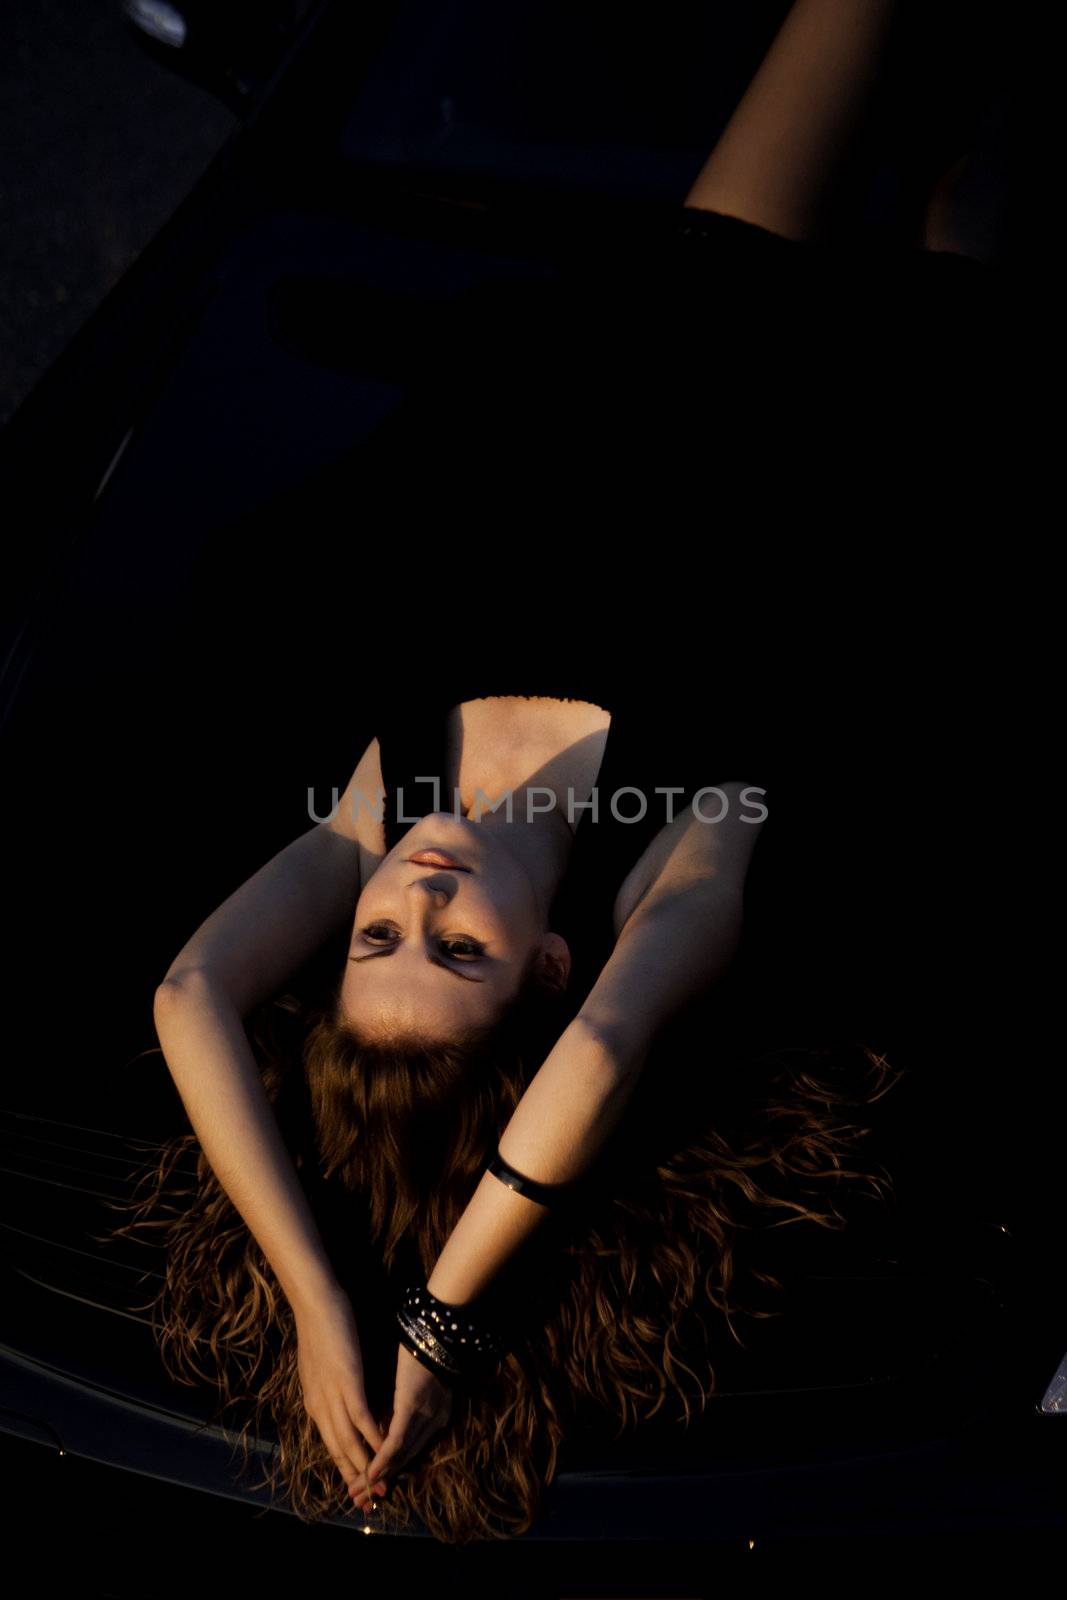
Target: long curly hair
[[618, 1307]]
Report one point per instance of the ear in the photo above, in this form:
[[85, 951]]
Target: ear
[[552, 967]]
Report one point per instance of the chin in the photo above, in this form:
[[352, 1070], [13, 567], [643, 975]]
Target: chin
[[446, 819]]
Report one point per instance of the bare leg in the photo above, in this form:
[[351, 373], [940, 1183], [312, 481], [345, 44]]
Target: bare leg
[[966, 208], [777, 156]]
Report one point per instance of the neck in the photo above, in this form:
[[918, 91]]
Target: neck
[[542, 842]]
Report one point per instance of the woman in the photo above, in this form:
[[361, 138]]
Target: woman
[[502, 983], [469, 1065]]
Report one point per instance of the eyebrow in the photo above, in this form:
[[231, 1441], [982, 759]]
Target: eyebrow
[[375, 955]]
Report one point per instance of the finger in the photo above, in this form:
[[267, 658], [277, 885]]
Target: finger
[[390, 1458], [397, 1455], [348, 1471], [364, 1420], [351, 1447], [401, 1447], [378, 1433]]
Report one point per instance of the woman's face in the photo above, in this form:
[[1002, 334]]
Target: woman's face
[[439, 949]]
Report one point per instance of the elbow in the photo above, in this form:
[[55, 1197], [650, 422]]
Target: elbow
[[180, 985], [165, 999]]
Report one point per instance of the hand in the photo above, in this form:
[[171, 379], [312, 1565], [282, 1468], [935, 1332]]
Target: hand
[[422, 1406], [330, 1364]]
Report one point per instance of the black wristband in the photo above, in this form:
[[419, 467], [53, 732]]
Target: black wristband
[[545, 1194]]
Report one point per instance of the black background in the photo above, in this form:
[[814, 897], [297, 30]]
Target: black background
[[848, 607]]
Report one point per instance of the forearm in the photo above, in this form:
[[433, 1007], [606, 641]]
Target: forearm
[[210, 1059], [569, 1111], [675, 947]]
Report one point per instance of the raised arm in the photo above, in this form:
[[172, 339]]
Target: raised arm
[[677, 942], [210, 1059], [273, 923], [239, 956]]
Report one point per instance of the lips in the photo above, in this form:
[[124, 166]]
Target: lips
[[436, 858]]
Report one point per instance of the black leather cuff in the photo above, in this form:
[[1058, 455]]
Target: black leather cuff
[[545, 1194]]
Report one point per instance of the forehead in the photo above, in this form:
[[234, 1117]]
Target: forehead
[[384, 991]]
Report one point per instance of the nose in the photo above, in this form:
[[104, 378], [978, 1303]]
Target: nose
[[438, 884]]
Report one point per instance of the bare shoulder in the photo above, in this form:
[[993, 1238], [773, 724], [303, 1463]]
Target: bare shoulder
[[714, 841], [360, 812]]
